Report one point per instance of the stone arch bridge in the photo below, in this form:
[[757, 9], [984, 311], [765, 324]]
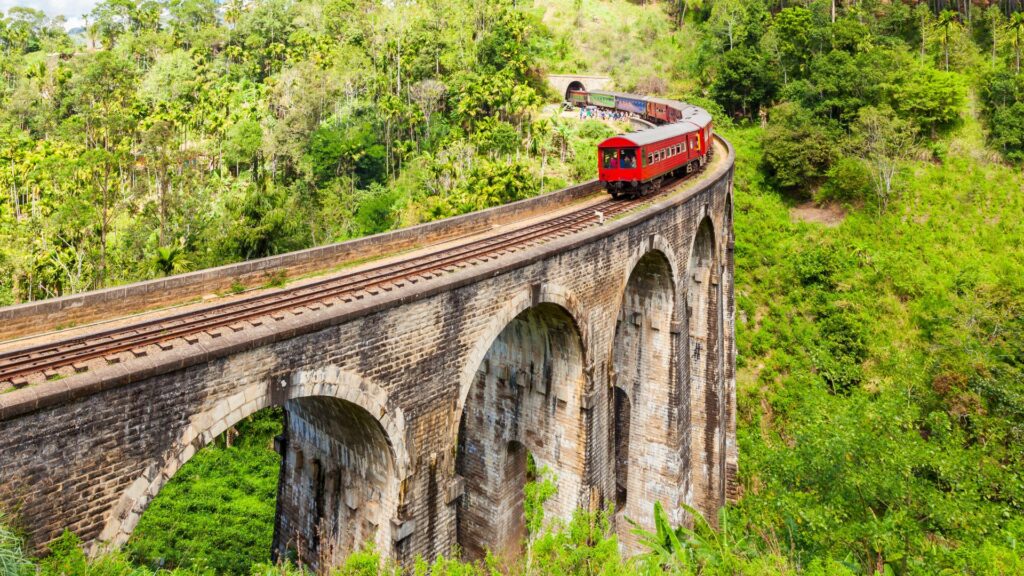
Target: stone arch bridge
[[607, 354]]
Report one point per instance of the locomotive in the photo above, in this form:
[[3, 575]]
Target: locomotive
[[637, 163]]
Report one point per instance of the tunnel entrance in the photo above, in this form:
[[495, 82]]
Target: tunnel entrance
[[524, 400], [574, 86], [645, 437]]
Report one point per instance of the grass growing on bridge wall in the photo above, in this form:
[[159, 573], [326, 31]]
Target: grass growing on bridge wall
[[217, 512]]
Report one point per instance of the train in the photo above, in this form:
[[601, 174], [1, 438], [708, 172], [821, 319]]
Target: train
[[637, 163]]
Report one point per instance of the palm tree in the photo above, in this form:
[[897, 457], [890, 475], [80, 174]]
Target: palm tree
[[948, 19], [1017, 25], [170, 259], [233, 12]]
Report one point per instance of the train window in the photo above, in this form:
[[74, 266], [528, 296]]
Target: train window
[[628, 158], [610, 158], [650, 159], [683, 145]]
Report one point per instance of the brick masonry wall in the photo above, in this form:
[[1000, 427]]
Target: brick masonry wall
[[89, 452]]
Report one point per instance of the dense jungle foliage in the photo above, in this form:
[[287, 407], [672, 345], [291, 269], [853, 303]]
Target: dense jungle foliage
[[881, 364]]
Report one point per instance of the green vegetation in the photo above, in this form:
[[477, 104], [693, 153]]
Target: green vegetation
[[182, 137], [881, 366], [217, 512]]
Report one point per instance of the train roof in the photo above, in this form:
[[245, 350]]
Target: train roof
[[619, 94], [688, 112], [695, 114], [665, 101], [652, 135]]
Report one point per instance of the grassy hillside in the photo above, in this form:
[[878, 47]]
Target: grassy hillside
[[880, 390]]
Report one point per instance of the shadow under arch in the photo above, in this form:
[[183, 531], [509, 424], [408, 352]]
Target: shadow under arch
[[703, 298], [525, 397], [518, 303], [379, 434], [645, 407]]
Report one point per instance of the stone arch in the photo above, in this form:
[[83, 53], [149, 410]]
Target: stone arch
[[329, 382], [574, 86], [703, 350], [527, 390], [546, 293], [727, 229], [645, 407]]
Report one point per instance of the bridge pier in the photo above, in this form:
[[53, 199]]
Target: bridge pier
[[338, 486]]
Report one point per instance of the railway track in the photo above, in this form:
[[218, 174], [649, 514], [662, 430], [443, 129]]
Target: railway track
[[72, 355]]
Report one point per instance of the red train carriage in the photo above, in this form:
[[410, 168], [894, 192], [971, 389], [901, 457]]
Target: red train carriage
[[663, 110], [637, 163]]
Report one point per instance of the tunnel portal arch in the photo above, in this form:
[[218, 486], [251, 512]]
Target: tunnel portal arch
[[574, 86]]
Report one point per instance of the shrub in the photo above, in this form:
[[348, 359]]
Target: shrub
[[797, 150], [848, 181]]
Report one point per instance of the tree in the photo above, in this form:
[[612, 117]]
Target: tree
[[839, 84], [112, 18], [25, 26], [103, 98], [931, 98], [429, 96], [797, 150], [233, 10], [994, 22], [728, 20], [170, 259], [884, 141], [744, 82], [159, 144], [1007, 131], [682, 6], [948, 21], [1016, 25], [793, 29]]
